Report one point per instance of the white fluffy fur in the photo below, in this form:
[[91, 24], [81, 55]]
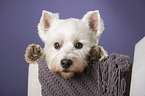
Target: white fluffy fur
[[67, 33]]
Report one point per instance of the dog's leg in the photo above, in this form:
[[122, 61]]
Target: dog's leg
[[33, 52], [98, 53]]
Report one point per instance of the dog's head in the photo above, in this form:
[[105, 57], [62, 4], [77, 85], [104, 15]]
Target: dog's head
[[68, 41]]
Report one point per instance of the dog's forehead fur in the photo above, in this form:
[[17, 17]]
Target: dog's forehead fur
[[74, 29]]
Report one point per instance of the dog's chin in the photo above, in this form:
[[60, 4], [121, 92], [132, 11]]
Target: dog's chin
[[67, 75]]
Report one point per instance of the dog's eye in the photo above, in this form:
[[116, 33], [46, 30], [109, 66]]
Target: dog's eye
[[78, 45], [56, 46]]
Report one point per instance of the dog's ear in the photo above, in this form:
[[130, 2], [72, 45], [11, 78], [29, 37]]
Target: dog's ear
[[45, 23], [94, 21]]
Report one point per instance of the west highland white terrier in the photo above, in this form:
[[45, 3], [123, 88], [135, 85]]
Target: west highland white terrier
[[67, 42]]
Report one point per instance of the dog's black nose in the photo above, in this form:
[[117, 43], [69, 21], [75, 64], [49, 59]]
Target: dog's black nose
[[66, 63]]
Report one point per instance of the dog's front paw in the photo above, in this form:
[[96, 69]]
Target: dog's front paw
[[33, 52], [98, 53], [103, 53]]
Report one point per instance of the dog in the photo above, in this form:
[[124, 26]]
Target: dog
[[67, 42]]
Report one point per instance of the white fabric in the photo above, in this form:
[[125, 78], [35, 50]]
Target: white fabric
[[34, 87], [138, 71]]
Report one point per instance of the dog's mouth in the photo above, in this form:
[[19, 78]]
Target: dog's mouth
[[66, 71], [67, 74]]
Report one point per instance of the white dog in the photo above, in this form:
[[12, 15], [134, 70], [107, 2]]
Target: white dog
[[67, 42]]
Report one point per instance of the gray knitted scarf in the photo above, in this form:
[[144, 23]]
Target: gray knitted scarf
[[107, 78]]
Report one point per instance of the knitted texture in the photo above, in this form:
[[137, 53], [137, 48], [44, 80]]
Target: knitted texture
[[106, 78]]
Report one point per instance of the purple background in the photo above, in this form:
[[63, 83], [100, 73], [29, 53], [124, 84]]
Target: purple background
[[124, 27]]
